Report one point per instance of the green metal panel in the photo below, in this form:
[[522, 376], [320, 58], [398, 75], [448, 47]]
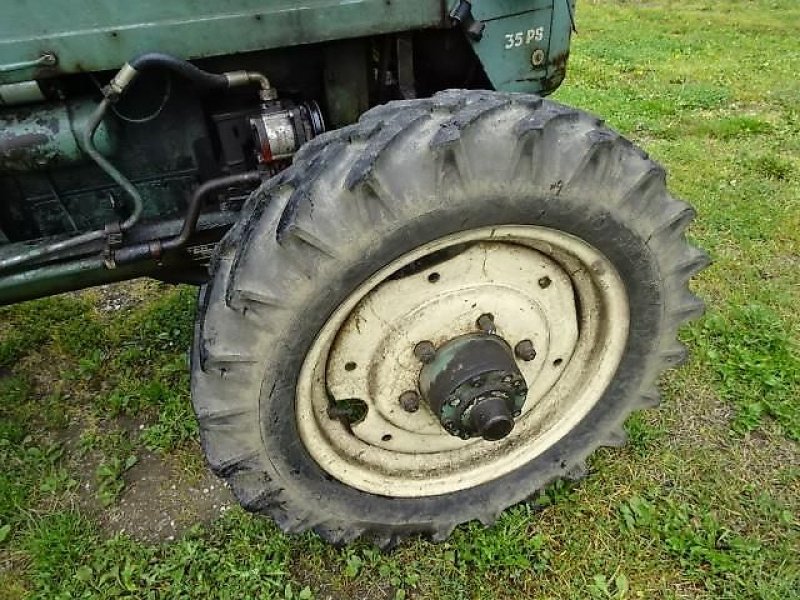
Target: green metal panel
[[92, 35], [526, 43], [47, 136]]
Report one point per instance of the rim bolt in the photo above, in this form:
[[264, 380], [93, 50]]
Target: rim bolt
[[425, 352], [525, 350], [545, 282], [486, 323], [410, 401]]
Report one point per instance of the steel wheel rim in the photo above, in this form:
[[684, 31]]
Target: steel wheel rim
[[361, 457]]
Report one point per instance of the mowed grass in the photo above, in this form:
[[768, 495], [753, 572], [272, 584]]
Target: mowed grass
[[702, 503]]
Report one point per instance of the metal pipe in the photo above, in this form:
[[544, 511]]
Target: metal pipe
[[154, 249], [196, 204], [38, 252], [87, 144], [68, 276]]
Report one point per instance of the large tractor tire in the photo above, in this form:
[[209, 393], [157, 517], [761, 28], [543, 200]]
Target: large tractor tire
[[437, 312]]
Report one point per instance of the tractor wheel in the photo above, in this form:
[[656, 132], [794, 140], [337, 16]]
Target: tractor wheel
[[437, 312]]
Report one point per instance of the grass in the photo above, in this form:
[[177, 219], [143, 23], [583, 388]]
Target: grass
[[702, 503]]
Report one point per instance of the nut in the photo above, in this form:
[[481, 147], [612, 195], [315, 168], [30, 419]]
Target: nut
[[425, 352], [410, 401], [486, 323]]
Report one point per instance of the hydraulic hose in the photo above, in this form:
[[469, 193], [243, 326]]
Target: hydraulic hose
[[202, 79]]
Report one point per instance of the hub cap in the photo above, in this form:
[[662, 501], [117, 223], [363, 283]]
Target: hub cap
[[560, 312]]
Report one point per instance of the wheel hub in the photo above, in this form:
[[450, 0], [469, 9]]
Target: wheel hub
[[474, 387]]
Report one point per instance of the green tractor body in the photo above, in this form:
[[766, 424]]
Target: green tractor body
[[165, 137]]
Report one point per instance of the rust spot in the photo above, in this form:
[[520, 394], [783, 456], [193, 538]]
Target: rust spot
[[556, 71]]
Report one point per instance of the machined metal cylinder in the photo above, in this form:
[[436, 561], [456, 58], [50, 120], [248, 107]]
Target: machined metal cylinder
[[46, 136]]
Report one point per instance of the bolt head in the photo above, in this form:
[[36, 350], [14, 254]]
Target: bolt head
[[545, 282], [486, 323], [410, 401], [425, 352], [525, 350]]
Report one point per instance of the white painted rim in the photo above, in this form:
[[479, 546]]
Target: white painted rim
[[579, 323]]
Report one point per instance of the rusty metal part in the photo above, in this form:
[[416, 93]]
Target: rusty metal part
[[425, 351], [474, 386], [524, 350], [486, 323], [410, 401]]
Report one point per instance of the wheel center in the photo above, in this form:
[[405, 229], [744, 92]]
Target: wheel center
[[474, 387]]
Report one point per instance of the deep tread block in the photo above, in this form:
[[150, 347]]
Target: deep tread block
[[381, 142], [451, 130]]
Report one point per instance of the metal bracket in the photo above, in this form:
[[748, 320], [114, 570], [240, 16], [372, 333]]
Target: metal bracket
[[461, 15], [48, 59]]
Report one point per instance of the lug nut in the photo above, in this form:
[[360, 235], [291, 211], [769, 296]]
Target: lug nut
[[409, 401], [486, 323], [525, 350], [425, 352], [545, 282]]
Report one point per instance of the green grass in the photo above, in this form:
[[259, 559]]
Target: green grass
[[702, 503]]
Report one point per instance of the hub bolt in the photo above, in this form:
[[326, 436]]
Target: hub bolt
[[425, 352], [410, 401], [486, 323], [525, 350], [545, 282]]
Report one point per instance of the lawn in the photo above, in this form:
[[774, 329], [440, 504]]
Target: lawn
[[103, 491]]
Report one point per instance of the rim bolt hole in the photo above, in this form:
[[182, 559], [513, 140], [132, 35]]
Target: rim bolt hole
[[350, 366], [545, 282], [557, 362], [387, 437], [434, 277]]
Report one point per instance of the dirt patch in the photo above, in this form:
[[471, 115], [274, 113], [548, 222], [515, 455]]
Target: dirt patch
[[116, 297], [159, 502], [163, 494]]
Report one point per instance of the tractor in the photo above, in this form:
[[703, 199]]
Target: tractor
[[426, 292]]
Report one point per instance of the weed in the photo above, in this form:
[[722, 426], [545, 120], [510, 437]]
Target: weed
[[756, 366], [109, 478]]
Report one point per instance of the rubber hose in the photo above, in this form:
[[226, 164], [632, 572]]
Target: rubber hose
[[201, 78]]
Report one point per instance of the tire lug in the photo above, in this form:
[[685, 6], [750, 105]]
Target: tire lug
[[410, 401], [425, 352], [486, 323], [525, 350]]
